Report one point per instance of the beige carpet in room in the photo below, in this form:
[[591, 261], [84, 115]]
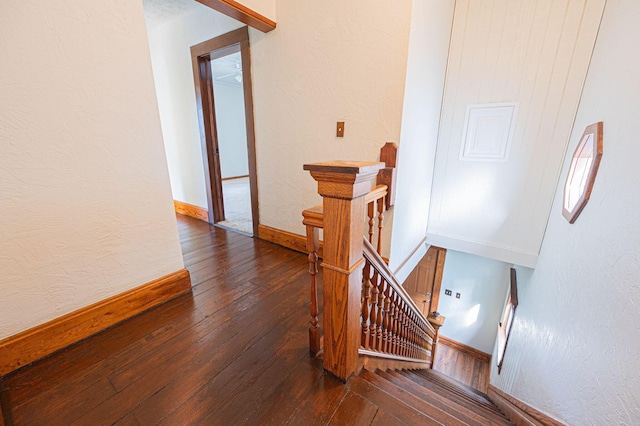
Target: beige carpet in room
[[237, 205]]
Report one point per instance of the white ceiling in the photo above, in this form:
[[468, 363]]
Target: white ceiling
[[157, 12]]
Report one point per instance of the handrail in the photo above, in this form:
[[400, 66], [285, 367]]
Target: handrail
[[313, 219], [365, 309], [371, 254], [391, 323], [376, 193], [314, 216]]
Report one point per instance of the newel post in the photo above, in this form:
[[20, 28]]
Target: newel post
[[343, 185]]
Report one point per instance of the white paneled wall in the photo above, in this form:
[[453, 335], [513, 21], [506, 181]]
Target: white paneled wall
[[535, 53]]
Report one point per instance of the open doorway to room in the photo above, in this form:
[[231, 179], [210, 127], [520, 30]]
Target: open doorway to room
[[231, 131], [222, 74]]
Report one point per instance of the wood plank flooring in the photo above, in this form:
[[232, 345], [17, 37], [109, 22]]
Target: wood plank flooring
[[221, 355], [234, 351]]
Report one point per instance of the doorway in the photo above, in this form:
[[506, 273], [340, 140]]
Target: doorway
[[423, 284], [222, 76]]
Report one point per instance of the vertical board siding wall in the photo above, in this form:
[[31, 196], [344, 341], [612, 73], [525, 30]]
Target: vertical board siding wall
[[533, 52]]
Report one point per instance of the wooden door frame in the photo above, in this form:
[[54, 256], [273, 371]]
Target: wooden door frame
[[201, 55], [437, 280]]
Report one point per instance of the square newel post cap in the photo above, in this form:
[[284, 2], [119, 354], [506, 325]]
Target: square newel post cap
[[344, 179]]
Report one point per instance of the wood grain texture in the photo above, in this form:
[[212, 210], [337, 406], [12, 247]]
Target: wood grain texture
[[287, 239], [241, 13], [190, 210], [36, 343], [437, 282], [515, 409], [388, 175], [233, 351], [461, 367], [235, 177], [373, 362], [460, 347], [343, 186]]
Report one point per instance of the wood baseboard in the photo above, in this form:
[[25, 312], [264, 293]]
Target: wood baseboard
[[460, 347], [285, 239], [190, 210], [518, 412], [234, 177], [31, 345]]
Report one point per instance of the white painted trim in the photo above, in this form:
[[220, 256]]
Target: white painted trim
[[407, 265], [502, 254]]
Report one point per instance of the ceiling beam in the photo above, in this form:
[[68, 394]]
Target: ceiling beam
[[241, 13]]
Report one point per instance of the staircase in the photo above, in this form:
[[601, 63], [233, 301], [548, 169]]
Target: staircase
[[411, 397], [370, 321]]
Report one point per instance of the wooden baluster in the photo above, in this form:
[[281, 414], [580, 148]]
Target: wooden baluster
[[413, 335], [401, 336], [407, 333], [314, 329], [366, 296], [381, 206], [343, 186], [386, 336], [396, 321], [423, 342], [373, 316], [370, 214], [392, 324], [380, 317], [416, 339]]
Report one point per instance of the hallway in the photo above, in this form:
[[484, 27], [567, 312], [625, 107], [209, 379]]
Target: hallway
[[235, 351], [224, 354]]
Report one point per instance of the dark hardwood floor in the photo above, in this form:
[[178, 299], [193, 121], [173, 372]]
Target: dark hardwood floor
[[234, 351], [227, 353]]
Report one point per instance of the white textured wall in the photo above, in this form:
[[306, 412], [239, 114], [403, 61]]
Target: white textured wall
[[231, 128], [431, 23], [482, 283], [327, 61], [173, 76], [85, 205], [532, 52], [574, 351]]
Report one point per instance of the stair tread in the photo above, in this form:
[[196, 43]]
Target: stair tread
[[469, 415], [411, 400], [444, 378], [453, 393], [401, 411]]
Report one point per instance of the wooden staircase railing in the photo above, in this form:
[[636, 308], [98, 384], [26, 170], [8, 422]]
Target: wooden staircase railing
[[366, 311], [313, 219], [391, 323]]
